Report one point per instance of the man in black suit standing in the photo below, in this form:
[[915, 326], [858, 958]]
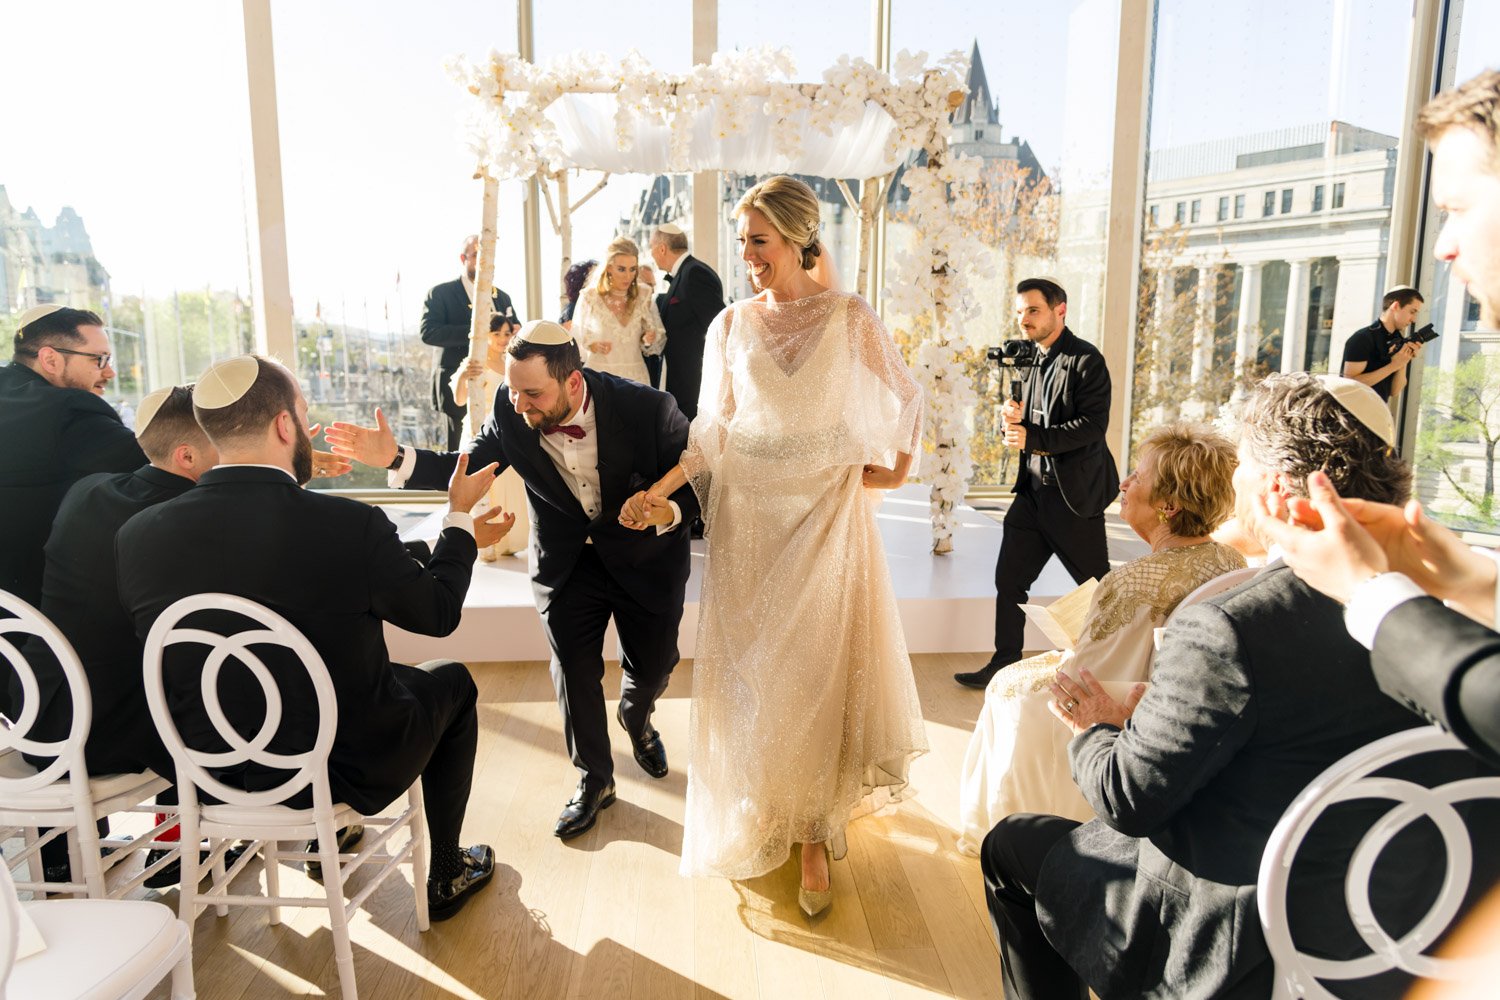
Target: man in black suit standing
[[1067, 474], [56, 430], [336, 569], [584, 443], [1253, 694], [446, 317], [694, 296], [79, 595]]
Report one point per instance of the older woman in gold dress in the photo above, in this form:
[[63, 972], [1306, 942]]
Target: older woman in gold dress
[[1017, 761]]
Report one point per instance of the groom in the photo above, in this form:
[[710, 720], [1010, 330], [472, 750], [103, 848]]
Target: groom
[[584, 443]]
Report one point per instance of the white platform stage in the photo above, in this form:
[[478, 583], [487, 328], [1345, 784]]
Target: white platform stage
[[947, 603]]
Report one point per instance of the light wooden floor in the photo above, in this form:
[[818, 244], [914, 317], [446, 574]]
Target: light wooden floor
[[607, 915]]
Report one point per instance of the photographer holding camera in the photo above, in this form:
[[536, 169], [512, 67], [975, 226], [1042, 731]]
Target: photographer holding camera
[[1378, 354], [1067, 474]]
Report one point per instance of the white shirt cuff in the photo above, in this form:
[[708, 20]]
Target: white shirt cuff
[[1373, 600], [396, 478], [662, 529], [1495, 555], [458, 519]]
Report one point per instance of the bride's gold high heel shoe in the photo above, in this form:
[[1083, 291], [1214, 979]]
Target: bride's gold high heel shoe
[[815, 901]]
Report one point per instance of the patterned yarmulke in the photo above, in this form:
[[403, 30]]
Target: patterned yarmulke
[[544, 331], [225, 382], [1362, 401]]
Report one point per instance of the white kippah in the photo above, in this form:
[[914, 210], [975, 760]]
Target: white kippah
[[670, 229], [147, 411], [35, 313], [1365, 403], [545, 332], [1399, 288], [226, 382]]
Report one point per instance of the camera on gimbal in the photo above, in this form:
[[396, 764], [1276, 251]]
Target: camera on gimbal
[[1013, 354]]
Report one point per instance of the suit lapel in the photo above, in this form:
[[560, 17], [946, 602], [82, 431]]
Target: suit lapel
[[614, 443]]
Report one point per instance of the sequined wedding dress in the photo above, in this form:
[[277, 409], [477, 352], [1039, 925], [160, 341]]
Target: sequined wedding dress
[[804, 708]]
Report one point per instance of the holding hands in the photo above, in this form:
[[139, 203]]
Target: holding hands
[[1083, 704], [645, 510], [326, 465], [374, 446], [599, 347]]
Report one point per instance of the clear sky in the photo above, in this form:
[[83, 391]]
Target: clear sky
[[142, 126]]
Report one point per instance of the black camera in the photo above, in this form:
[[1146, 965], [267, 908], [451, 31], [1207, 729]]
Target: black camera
[[1015, 354], [1422, 336]]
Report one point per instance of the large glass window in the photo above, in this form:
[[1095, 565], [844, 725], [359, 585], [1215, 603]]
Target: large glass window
[[1043, 127], [123, 182], [379, 197], [1457, 386], [1220, 306]]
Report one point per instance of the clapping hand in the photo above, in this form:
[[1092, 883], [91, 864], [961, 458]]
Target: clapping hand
[[1082, 704], [373, 446], [465, 490], [643, 511], [599, 346], [326, 465], [491, 526]]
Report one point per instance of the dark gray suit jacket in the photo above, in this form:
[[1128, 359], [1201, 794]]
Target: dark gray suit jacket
[[1445, 667], [1254, 693]]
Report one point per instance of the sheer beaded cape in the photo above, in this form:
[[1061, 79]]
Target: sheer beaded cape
[[593, 321], [804, 709]]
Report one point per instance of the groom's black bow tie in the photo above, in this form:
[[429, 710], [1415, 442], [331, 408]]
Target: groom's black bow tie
[[669, 279]]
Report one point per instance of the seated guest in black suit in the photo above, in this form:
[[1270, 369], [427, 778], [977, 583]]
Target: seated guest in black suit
[[79, 595], [1254, 693], [336, 569], [56, 430]]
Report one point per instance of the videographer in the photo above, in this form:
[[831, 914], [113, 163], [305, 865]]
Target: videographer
[[1067, 475], [1378, 354]]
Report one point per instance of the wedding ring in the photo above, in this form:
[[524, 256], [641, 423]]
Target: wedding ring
[[1069, 705]]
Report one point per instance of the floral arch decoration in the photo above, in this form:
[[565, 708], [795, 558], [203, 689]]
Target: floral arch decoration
[[744, 112]]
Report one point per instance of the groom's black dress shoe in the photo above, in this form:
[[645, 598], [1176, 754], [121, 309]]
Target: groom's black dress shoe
[[980, 678], [583, 808], [649, 752], [445, 897]]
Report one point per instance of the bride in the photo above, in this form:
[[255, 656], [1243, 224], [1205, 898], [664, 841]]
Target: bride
[[804, 707]]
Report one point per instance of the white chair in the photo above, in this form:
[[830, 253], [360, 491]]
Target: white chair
[[1212, 588], [259, 815], [95, 948], [62, 796], [1297, 973]]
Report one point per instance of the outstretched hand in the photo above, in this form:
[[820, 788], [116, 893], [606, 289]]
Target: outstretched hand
[[465, 490], [1082, 704], [373, 446], [491, 526]]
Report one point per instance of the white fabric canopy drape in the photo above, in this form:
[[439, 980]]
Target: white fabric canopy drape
[[586, 132]]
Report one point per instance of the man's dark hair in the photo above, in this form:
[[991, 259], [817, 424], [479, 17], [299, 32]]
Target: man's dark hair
[[274, 390], [1294, 426], [562, 359], [56, 329], [174, 424], [1051, 290], [1402, 297]]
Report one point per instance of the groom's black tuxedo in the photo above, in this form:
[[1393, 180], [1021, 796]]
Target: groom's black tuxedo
[[589, 570]]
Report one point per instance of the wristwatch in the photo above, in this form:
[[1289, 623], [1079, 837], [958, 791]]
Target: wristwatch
[[396, 462]]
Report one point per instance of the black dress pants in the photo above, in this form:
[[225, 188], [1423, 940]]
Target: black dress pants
[[450, 696], [576, 621], [1038, 526], [1011, 859]]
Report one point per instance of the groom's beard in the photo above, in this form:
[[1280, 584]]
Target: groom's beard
[[553, 417], [302, 459]]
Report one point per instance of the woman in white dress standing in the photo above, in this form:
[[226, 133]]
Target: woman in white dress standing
[[804, 709], [615, 321]]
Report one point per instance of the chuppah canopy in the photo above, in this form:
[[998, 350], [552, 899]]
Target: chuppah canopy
[[742, 112]]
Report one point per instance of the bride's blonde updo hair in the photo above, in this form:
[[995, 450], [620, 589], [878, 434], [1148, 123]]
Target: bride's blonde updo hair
[[791, 208], [620, 246]]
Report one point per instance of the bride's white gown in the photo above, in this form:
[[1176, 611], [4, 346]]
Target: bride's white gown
[[804, 707]]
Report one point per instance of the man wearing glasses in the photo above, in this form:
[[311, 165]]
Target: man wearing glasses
[[56, 429]]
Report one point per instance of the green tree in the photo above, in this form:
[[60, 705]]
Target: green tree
[[1462, 407]]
